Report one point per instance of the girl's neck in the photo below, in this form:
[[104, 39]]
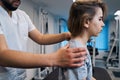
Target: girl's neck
[[82, 38]]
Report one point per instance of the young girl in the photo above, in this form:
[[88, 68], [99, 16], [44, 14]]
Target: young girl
[[85, 20]]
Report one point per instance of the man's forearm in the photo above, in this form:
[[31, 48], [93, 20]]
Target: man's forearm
[[47, 39], [11, 58], [53, 38]]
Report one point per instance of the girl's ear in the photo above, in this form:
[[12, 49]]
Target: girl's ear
[[86, 23]]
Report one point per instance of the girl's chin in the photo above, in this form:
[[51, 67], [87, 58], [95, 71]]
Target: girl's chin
[[96, 35]]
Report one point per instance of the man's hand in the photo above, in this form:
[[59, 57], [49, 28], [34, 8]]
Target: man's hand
[[70, 57], [67, 36]]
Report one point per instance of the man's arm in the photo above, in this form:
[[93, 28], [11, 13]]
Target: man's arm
[[63, 57], [14, 58], [47, 39]]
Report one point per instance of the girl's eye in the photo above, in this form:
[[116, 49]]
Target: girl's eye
[[100, 19]]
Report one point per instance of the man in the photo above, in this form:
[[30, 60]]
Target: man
[[15, 28]]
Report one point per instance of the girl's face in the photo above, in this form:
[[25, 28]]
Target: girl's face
[[96, 24]]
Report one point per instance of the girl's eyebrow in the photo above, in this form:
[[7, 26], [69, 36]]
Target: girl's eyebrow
[[101, 17]]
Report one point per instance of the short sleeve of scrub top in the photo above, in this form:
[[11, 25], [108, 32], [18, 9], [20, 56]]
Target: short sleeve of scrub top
[[30, 24]]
